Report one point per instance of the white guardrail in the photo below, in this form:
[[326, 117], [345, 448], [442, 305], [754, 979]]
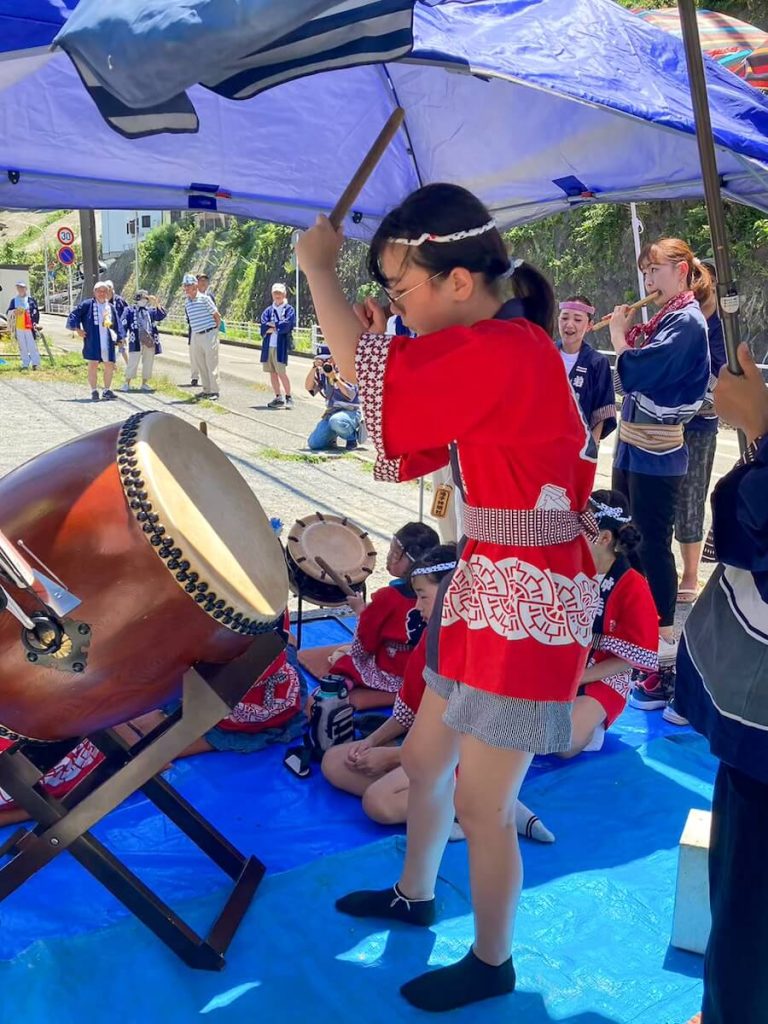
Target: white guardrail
[[249, 331]]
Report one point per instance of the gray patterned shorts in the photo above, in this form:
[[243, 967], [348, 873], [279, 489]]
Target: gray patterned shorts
[[511, 723], [692, 496]]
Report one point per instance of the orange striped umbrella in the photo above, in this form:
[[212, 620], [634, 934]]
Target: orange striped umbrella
[[732, 43]]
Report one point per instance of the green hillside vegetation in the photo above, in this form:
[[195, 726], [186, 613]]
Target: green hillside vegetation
[[588, 250]]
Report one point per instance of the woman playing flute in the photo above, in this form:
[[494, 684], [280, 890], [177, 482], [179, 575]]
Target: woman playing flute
[[663, 370]]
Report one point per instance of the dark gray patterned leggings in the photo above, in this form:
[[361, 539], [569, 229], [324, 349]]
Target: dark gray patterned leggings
[[692, 499]]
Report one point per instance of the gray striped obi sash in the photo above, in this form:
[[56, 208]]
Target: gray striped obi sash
[[527, 527]]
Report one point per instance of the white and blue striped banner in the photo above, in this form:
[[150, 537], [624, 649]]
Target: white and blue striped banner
[[137, 58]]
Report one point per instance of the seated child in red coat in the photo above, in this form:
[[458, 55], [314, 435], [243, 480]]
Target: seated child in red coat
[[371, 768], [374, 663], [625, 630]]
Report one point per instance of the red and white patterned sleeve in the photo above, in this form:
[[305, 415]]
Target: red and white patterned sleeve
[[410, 693], [371, 366], [631, 623], [414, 390]]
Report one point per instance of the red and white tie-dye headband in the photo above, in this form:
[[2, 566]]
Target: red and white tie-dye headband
[[578, 307]]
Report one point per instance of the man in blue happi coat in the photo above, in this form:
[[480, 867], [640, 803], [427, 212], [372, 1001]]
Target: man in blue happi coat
[[97, 323], [277, 324]]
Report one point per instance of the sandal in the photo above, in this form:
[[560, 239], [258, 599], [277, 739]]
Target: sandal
[[687, 595], [297, 760]]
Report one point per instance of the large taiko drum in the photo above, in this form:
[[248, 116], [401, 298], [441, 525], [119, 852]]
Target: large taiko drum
[[342, 544], [171, 555]]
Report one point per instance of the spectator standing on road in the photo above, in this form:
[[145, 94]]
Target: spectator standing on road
[[277, 324], [97, 323], [341, 418], [204, 320], [204, 286], [23, 317], [139, 323], [120, 305]]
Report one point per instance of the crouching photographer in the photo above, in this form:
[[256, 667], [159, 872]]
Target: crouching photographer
[[341, 418]]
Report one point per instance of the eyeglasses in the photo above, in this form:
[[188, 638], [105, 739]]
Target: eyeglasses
[[397, 297]]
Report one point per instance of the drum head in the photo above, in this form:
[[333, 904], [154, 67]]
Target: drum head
[[196, 508], [344, 545]]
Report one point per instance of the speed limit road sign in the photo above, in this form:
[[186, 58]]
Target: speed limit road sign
[[65, 235]]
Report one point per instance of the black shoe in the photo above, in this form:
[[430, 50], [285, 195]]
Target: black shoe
[[94, 396], [34, 368], [193, 383], [108, 396], [351, 445], [278, 402]]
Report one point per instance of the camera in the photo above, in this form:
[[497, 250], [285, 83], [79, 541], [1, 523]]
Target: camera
[[328, 368]]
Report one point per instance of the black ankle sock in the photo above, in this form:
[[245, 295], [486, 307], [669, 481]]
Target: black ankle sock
[[465, 982], [389, 904]]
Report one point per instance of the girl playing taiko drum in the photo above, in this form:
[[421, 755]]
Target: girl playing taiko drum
[[516, 619]]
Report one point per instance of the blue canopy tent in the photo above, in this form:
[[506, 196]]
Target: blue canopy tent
[[536, 106]]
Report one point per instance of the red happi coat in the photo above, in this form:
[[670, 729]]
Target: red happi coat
[[516, 621], [627, 626], [410, 693], [382, 644]]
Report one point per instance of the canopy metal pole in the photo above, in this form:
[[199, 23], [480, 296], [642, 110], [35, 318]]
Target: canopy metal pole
[[727, 291], [637, 230]]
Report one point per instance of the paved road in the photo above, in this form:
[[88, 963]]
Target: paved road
[[269, 447]]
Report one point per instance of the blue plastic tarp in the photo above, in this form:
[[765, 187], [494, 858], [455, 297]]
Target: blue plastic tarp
[[536, 105]]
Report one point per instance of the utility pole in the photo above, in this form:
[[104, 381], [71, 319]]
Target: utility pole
[[90, 249], [136, 247]]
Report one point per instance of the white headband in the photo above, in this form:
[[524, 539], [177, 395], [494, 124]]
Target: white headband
[[457, 236], [607, 512], [427, 570]]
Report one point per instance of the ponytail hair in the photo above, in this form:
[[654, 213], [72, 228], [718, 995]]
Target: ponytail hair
[[674, 250], [435, 564], [611, 510], [536, 294]]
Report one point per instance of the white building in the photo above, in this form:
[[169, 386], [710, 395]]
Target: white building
[[118, 229]]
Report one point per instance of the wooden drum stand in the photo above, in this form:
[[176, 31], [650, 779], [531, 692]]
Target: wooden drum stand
[[209, 694]]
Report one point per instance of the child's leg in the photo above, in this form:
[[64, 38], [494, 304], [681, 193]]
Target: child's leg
[[488, 785], [363, 698], [430, 755], [586, 716], [336, 770], [386, 799], [317, 659]]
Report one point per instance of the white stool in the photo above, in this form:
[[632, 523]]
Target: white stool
[[692, 921]]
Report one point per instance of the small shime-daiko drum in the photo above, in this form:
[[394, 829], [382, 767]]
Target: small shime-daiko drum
[[341, 544], [167, 549]]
